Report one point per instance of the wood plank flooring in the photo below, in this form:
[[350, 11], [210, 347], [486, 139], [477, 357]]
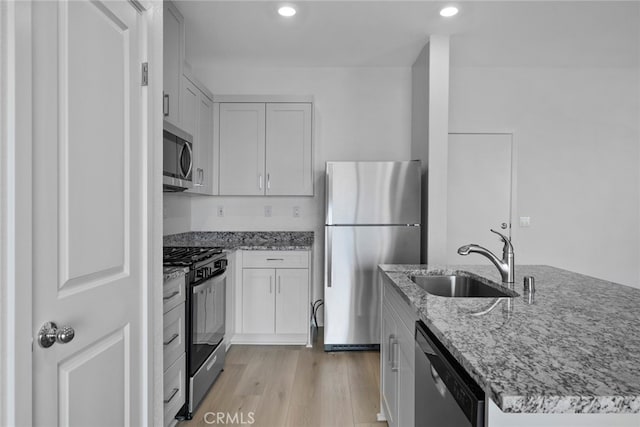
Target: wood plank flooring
[[292, 386]]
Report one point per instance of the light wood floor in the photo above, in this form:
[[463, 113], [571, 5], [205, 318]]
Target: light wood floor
[[296, 387]]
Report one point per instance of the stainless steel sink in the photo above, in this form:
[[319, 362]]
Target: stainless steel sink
[[459, 286]]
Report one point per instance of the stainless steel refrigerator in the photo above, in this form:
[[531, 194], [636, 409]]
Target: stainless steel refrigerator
[[372, 217]]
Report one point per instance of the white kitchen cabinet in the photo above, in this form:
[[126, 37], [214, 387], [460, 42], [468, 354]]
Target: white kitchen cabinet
[[291, 300], [258, 301], [173, 54], [242, 149], [388, 373], [288, 149], [197, 119], [266, 149], [397, 359], [274, 298]]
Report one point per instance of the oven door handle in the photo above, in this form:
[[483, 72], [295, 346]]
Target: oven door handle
[[208, 283]]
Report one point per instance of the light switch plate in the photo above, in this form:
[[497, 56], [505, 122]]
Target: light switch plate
[[267, 211], [525, 221], [220, 210]]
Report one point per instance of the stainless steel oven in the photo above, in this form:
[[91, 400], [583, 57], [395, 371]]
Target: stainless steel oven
[[206, 334], [177, 161], [205, 317], [446, 396]]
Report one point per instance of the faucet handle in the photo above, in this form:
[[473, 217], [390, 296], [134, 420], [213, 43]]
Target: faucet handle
[[505, 239]]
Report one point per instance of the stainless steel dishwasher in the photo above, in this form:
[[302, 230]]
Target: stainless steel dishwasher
[[446, 396]]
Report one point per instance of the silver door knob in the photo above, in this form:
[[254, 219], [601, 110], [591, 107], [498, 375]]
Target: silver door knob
[[49, 334]]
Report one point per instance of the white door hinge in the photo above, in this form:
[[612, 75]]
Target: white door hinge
[[145, 74]]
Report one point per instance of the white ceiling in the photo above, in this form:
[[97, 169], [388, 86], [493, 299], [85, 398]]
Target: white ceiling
[[391, 33]]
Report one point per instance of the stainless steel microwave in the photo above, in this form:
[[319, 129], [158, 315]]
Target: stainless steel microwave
[[177, 160]]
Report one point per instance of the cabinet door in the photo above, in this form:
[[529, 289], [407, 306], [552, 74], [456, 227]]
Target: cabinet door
[[406, 379], [289, 165], [258, 301], [242, 132], [205, 161], [189, 114], [388, 368], [292, 301], [173, 48]]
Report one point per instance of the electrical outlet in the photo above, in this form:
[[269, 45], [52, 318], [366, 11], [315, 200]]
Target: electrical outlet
[[525, 221], [267, 211], [220, 210], [296, 211], [165, 213]]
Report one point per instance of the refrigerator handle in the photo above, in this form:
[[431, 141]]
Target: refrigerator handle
[[329, 194], [327, 256]]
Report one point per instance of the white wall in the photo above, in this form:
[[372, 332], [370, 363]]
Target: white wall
[[176, 213], [360, 114], [576, 133]]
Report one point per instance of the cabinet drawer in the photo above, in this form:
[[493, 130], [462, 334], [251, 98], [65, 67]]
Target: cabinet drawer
[[173, 337], [275, 259], [174, 389], [173, 293]]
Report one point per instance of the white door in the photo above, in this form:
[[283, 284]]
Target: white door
[[88, 213], [478, 192], [288, 149], [242, 130], [292, 300]]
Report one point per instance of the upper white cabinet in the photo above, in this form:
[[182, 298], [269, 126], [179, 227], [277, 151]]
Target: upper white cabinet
[[242, 149], [266, 149], [173, 52], [197, 115]]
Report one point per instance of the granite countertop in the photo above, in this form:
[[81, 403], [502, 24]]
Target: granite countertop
[[576, 349], [171, 273], [244, 240]]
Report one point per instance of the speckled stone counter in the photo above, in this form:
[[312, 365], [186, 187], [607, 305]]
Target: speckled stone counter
[[244, 240], [171, 273], [576, 349]]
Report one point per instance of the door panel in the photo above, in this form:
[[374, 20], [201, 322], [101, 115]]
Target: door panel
[[84, 370], [87, 212], [479, 169], [373, 193], [288, 147], [352, 295], [292, 301], [242, 150], [258, 304]]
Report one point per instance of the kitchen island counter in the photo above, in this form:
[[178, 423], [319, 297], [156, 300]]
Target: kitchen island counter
[[576, 349]]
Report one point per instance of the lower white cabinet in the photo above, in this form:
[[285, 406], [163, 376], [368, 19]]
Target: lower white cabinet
[[174, 338], [397, 359], [273, 302]]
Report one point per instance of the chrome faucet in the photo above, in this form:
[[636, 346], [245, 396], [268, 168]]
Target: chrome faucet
[[506, 265]]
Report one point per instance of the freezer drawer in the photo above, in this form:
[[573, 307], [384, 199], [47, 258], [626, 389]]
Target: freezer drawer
[[370, 193], [352, 295]]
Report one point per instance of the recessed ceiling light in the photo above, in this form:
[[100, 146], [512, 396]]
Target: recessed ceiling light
[[448, 11], [287, 11]]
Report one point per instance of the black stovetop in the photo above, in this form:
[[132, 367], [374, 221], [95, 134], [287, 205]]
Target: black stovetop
[[186, 256]]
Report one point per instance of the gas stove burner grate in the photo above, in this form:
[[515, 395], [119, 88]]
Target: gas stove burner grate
[[185, 256]]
